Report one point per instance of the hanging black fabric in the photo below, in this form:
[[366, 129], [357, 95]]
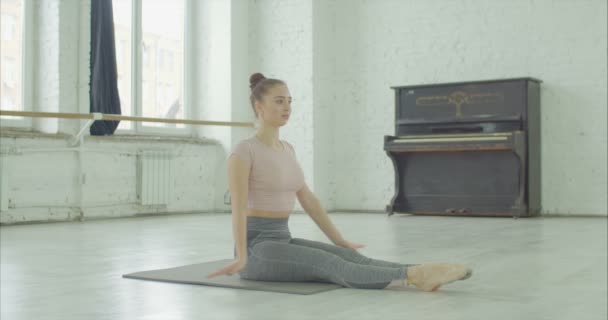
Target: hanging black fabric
[[103, 92]]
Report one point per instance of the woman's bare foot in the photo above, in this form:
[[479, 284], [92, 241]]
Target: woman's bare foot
[[431, 276]]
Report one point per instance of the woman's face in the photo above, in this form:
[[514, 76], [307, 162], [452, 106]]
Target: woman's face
[[275, 107]]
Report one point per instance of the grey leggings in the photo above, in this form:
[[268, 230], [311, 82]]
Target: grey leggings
[[273, 255]]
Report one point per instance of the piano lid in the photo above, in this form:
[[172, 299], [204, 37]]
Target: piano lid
[[476, 82]]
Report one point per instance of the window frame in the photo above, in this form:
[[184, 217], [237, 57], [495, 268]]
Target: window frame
[[138, 127], [26, 68]]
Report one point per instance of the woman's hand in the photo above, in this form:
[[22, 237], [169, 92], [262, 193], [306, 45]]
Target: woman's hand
[[350, 245], [230, 269]]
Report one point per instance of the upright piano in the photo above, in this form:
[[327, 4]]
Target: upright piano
[[467, 149]]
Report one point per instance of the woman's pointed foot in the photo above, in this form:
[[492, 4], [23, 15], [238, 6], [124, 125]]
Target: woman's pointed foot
[[431, 276]]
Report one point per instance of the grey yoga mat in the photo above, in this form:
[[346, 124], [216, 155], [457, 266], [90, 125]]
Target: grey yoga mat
[[197, 274]]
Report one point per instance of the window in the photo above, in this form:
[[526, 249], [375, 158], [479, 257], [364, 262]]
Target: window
[[152, 81], [9, 24], [8, 72], [15, 64]]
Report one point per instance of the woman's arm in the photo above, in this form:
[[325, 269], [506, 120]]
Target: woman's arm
[[311, 204], [238, 177]]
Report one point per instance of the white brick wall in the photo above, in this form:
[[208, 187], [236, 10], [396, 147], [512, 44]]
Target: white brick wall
[[361, 48], [385, 43], [339, 58], [46, 186], [324, 103]]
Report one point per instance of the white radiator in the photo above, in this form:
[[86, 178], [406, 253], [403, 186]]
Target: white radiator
[[154, 177]]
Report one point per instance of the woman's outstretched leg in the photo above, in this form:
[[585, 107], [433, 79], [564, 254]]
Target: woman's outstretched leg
[[427, 277], [280, 261], [347, 254]]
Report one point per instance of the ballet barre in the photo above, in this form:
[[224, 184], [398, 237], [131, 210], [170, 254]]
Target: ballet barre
[[114, 117]]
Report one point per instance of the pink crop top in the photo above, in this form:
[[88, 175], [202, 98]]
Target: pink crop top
[[274, 177]]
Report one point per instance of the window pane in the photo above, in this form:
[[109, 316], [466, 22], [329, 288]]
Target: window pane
[[122, 35], [162, 61], [11, 56]]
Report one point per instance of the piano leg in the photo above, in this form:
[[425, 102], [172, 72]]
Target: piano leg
[[390, 207], [520, 151], [389, 210]]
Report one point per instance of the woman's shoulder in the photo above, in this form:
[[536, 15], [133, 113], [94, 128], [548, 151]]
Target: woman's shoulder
[[289, 145], [244, 142], [243, 148], [241, 144]]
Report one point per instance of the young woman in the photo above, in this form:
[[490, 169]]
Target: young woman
[[264, 180]]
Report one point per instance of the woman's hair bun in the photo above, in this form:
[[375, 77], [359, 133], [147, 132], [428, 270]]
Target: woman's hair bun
[[255, 79]]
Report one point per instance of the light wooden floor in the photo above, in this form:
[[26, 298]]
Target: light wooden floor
[[541, 268]]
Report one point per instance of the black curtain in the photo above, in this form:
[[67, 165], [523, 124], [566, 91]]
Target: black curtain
[[103, 92]]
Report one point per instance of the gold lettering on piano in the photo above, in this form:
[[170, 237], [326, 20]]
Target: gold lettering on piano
[[459, 98]]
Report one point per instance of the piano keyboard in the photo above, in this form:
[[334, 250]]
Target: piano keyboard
[[439, 138]]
